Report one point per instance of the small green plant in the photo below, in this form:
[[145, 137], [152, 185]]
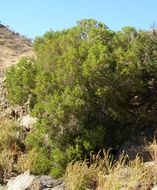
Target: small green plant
[[41, 164], [34, 160], [20, 89]]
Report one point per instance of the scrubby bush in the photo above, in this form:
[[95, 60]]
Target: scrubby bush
[[10, 146], [7, 162], [20, 82], [89, 87], [8, 135]]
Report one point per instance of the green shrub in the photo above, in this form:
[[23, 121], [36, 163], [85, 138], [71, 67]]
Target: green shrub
[[89, 87], [20, 82], [41, 164]]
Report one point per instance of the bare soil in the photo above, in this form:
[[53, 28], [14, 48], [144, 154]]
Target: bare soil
[[13, 47]]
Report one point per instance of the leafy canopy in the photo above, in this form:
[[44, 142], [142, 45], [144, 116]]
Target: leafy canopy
[[89, 87]]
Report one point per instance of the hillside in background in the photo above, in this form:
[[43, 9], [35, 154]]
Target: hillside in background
[[13, 47]]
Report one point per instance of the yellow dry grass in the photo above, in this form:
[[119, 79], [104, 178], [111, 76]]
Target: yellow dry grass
[[105, 174]]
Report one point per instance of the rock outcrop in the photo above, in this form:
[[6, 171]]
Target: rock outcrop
[[31, 182], [12, 48], [27, 122], [48, 183], [23, 182]]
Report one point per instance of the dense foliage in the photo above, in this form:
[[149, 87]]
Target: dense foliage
[[89, 87]]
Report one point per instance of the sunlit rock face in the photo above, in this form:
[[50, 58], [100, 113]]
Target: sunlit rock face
[[24, 181], [31, 182], [27, 122]]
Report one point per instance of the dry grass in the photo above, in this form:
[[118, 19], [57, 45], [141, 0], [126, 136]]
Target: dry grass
[[104, 174], [8, 146], [123, 176], [7, 162], [8, 133], [25, 161], [79, 175], [153, 150]]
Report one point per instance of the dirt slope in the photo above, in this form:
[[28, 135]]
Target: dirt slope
[[13, 47]]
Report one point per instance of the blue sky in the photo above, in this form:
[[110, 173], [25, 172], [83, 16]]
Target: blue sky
[[34, 17]]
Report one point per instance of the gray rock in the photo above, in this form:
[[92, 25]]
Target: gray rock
[[31, 182], [59, 187], [46, 181], [23, 182], [58, 182]]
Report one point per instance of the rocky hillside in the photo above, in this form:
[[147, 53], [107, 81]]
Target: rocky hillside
[[13, 47]]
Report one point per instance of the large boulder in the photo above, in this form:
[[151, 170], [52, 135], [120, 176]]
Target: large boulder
[[46, 181], [27, 122], [23, 182], [30, 182]]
